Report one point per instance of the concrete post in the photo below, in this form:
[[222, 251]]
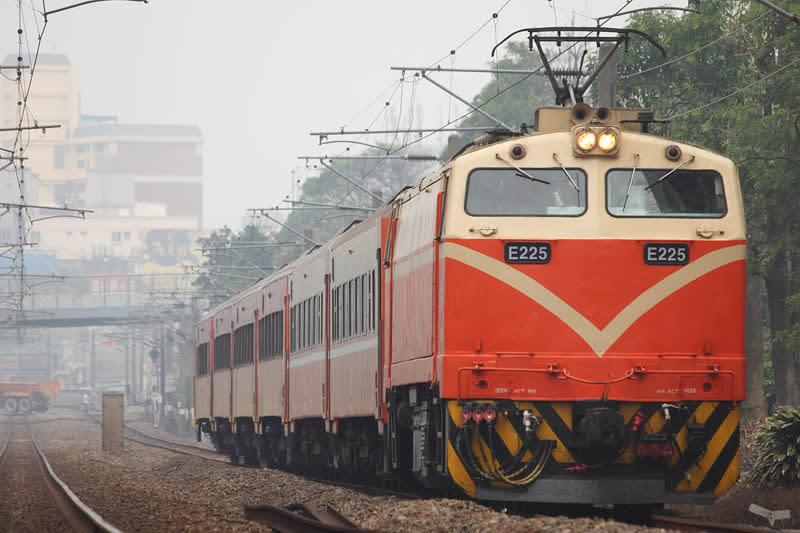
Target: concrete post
[[112, 421], [92, 361]]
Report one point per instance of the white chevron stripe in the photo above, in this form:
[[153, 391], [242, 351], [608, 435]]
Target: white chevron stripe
[[599, 340]]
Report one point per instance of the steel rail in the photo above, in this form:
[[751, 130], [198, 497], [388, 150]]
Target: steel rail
[[171, 446], [690, 524], [77, 513], [7, 440]]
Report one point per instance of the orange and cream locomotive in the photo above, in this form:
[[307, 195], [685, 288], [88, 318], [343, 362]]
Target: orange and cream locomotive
[[550, 317]]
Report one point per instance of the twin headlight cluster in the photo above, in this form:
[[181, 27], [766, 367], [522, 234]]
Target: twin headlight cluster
[[589, 140]]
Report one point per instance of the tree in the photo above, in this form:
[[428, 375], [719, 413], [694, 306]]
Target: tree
[[511, 98], [234, 261], [752, 126], [383, 178]]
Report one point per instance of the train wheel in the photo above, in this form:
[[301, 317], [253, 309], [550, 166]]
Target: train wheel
[[10, 405], [24, 405]]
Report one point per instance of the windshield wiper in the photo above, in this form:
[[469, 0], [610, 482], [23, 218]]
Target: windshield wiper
[[521, 173], [567, 173], [665, 176], [630, 181]]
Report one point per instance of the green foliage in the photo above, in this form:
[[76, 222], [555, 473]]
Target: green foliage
[[16, 516], [515, 105], [777, 455], [383, 178], [769, 373], [232, 263], [722, 100]]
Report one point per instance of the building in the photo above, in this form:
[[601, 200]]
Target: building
[[144, 182]]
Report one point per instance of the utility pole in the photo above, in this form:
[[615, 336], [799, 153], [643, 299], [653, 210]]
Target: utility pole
[[162, 373], [607, 78], [127, 361], [92, 361]]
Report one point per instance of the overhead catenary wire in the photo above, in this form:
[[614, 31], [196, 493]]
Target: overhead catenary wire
[[504, 90], [734, 93], [692, 52]]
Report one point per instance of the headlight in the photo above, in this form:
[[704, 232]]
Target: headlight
[[607, 141], [586, 140], [591, 141]]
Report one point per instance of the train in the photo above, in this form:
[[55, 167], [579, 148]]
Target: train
[[553, 316]]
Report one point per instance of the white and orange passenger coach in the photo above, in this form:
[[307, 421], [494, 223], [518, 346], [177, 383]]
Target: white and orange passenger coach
[[550, 317]]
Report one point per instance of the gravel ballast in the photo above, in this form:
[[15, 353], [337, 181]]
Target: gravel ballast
[[148, 489]]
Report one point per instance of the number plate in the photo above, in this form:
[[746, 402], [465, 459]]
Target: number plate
[[666, 253], [527, 253]]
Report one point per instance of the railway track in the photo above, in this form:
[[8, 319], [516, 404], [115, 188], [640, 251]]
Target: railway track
[[311, 520], [145, 439], [690, 525], [34, 505]]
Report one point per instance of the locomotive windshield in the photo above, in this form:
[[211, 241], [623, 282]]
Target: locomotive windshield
[[659, 193], [526, 192]]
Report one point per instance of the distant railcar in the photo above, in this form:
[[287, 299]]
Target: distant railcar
[[550, 317]]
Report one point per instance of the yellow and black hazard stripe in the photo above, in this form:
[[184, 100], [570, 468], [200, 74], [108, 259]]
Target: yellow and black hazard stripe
[[705, 434]]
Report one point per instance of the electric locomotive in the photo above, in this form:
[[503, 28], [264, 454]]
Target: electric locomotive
[[552, 316]]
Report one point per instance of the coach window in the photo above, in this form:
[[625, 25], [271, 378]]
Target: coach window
[[306, 328], [202, 359], [291, 329], [368, 311], [350, 309], [374, 301], [310, 323], [279, 334], [262, 337], [340, 320], [247, 345], [319, 317], [340, 297], [222, 352], [334, 311], [664, 192], [356, 308], [531, 192], [363, 315]]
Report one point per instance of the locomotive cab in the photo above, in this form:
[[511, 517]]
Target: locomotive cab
[[592, 282]]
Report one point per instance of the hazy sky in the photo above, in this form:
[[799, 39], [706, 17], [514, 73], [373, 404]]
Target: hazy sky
[[258, 76]]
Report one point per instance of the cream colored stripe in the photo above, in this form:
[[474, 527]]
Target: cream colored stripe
[[598, 340]]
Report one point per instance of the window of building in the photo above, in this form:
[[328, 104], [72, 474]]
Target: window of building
[[82, 163], [116, 236], [81, 148], [58, 156]]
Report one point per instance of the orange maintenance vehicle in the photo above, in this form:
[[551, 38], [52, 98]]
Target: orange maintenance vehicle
[[21, 398]]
